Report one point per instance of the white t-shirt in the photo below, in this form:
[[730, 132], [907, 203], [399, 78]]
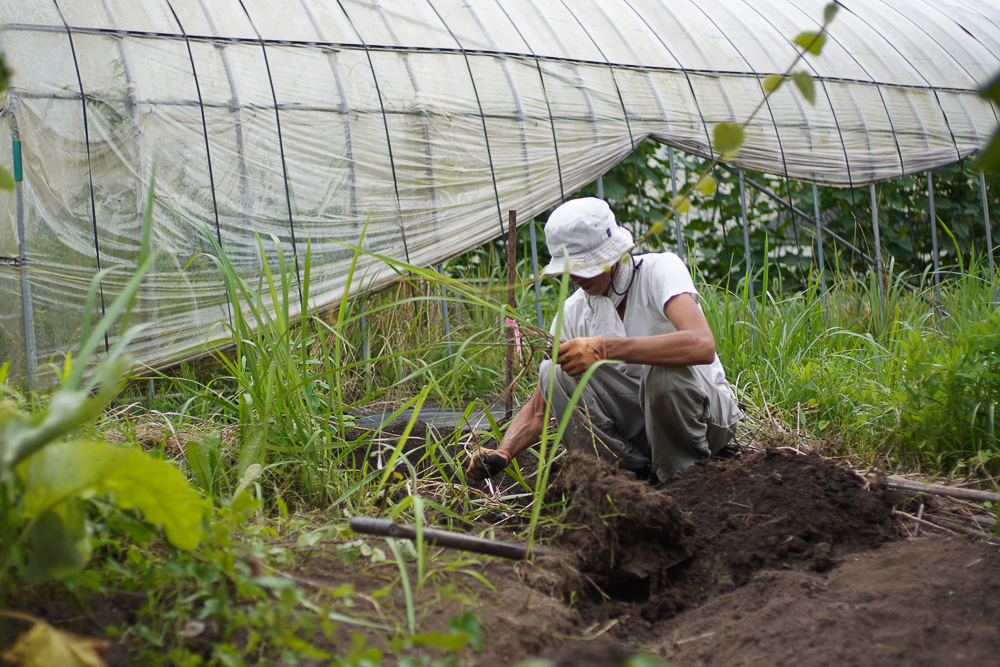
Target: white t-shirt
[[659, 278]]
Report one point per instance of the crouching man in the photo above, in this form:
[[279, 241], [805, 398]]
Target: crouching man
[[664, 403]]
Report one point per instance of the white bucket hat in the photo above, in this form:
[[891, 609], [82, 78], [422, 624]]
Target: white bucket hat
[[584, 238]]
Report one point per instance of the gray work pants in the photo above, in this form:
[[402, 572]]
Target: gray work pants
[[669, 418]]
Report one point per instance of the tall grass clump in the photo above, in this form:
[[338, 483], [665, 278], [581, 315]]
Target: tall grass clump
[[293, 380], [885, 376], [949, 386], [282, 399]]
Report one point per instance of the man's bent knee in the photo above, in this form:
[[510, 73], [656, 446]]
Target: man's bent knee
[[561, 384]]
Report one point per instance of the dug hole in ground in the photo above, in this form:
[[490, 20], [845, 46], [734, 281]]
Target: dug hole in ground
[[773, 557]]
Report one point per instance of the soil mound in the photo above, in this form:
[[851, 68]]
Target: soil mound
[[778, 507], [656, 552]]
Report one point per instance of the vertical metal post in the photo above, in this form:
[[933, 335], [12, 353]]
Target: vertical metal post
[[989, 233], [746, 241], [878, 247], [444, 314], [819, 252], [677, 219], [934, 241], [600, 187], [365, 343], [27, 314], [538, 278], [508, 321], [364, 335]]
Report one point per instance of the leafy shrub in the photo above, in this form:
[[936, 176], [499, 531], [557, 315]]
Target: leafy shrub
[[949, 394]]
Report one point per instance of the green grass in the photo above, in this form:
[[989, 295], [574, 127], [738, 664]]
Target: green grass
[[893, 383]]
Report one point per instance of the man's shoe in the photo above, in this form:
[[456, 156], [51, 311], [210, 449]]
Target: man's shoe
[[730, 451]]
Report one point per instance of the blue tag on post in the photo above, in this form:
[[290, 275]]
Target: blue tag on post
[[17, 160]]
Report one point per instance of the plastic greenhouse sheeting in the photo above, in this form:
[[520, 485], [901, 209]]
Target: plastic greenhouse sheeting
[[424, 119]]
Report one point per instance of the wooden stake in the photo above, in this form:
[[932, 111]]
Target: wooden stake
[[511, 280], [894, 482]]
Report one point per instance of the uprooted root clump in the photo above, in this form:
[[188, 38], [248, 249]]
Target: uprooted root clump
[[657, 552], [621, 534]]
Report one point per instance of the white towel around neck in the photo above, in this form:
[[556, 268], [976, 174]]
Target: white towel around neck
[[602, 312]]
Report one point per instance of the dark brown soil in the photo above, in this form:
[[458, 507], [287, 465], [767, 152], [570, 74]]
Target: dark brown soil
[[792, 561], [926, 601]]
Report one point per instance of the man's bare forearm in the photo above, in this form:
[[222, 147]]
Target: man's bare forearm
[[691, 344], [681, 348], [526, 427]]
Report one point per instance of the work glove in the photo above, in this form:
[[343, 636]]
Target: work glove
[[486, 463], [578, 354]]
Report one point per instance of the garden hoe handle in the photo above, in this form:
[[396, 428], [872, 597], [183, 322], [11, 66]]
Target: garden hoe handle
[[447, 538]]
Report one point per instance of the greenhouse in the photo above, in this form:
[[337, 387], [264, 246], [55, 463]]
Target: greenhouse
[[499, 333], [413, 127]]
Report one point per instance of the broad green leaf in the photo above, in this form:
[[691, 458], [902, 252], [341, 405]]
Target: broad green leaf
[[81, 469], [360, 650], [199, 459], [197, 455], [250, 476], [645, 661], [468, 624], [45, 646], [310, 539], [830, 11], [252, 451], [707, 185], [991, 90], [728, 139], [989, 157], [6, 180], [243, 505], [680, 203], [56, 549], [444, 642], [657, 228], [811, 42], [21, 437], [8, 412], [772, 82], [804, 82], [5, 73]]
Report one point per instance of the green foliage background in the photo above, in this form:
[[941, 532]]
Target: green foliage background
[[713, 233]]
